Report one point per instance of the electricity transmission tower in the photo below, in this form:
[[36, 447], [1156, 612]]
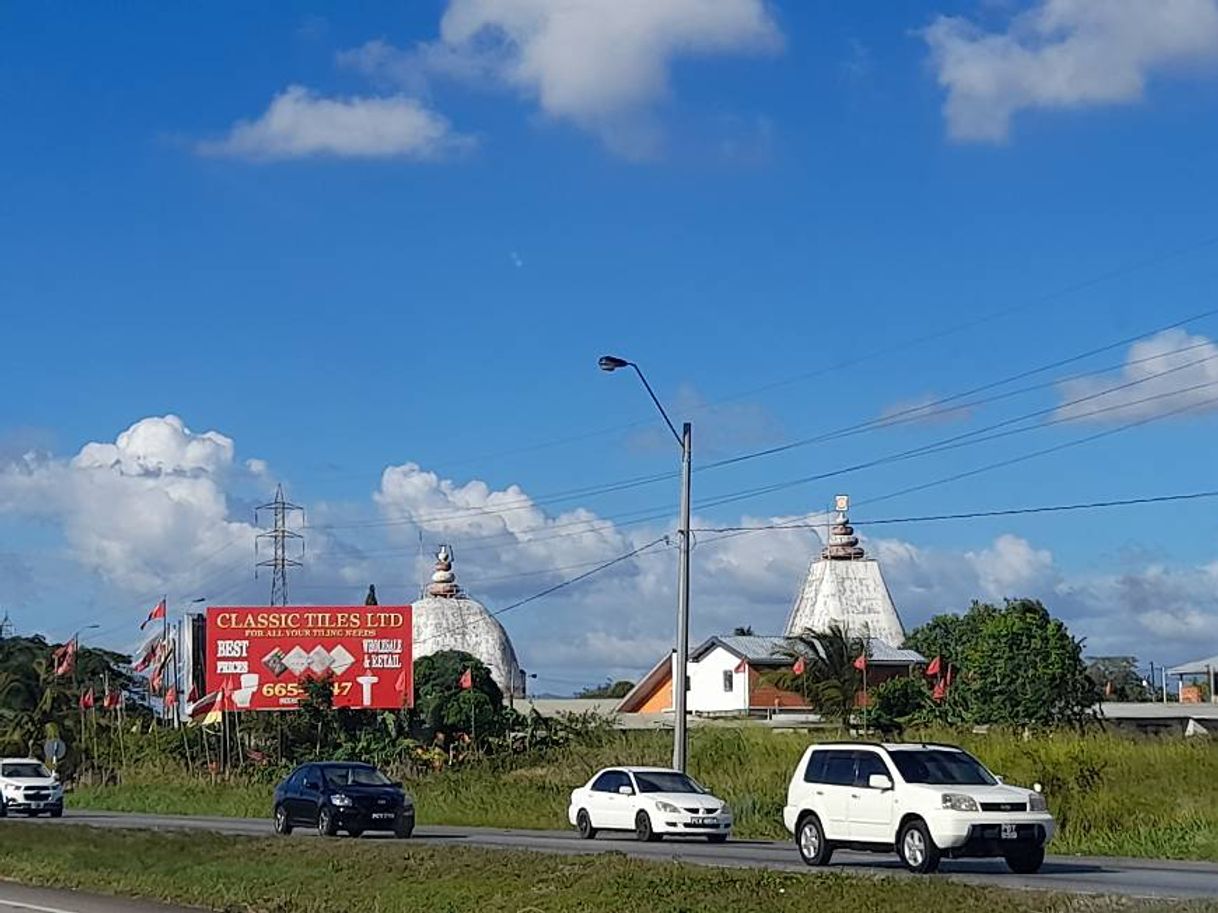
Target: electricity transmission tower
[[279, 535]]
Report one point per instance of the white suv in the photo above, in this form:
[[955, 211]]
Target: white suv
[[29, 788], [924, 801]]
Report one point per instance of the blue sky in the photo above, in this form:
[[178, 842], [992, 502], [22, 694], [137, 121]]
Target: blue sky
[[416, 255]]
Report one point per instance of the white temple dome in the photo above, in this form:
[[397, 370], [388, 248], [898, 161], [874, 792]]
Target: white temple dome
[[445, 618], [845, 588]]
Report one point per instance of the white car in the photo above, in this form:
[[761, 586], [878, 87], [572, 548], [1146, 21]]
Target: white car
[[651, 801], [27, 787], [923, 801]]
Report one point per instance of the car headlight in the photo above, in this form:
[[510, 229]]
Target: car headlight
[[725, 809], [667, 807], [12, 790], [341, 801], [958, 802], [1037, 803]]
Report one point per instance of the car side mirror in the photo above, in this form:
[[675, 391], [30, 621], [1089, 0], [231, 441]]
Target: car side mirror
[[999, 778], [879, 781], [626, 790]]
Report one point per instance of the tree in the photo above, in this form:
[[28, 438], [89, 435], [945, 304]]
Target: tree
[[606, 689], [1118, 678], [1013, 665], [444, 706], [829, 680]]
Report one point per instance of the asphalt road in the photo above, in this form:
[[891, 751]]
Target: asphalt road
[[1073, 874], [15, 897]]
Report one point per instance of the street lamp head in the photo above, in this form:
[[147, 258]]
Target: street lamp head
[[612, 363]]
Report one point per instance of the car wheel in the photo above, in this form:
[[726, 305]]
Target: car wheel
[[1025, 861], [916, 848], [583, 823], [57, 812], [3, 809], [642, 829], [716, 838], [402, 828], [283, 826], [814, 849], [325, 823]]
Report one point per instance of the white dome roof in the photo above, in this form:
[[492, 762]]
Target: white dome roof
[[460, 623]]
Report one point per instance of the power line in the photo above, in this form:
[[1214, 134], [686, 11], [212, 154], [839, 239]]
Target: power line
[[979, 514]]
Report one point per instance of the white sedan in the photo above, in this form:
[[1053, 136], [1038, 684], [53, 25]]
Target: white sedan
[[651, 801]]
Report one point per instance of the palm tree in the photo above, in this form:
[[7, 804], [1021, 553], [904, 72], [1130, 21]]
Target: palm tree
[[829, 680]]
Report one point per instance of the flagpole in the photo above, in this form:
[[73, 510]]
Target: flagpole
[[164, 646]]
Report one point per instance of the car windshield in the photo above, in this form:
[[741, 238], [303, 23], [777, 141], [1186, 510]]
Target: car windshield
[[338, 777], [27, 769], [666, 781], [939, 767]]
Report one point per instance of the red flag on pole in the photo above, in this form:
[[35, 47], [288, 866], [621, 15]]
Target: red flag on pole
[[64, 658], [467, 679], [741, 667], [861, 662], [157, 613], [171, 697], [112, 700], [940, 691], [86, 700], [192, 695], [933, 667], [799, 666]]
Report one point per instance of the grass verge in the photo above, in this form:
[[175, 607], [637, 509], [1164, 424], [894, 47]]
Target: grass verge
[[311, 876], [1112, 795]]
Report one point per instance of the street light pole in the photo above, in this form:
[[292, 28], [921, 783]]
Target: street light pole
[[681, 662]]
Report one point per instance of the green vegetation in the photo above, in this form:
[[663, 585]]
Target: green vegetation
[[1112, 795], [286, 875]]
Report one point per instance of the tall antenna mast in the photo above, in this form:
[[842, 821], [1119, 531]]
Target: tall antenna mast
[[279, 536]]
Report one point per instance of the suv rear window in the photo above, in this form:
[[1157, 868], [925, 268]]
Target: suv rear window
[[815, 772]]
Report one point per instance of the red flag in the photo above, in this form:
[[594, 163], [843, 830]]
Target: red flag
[[932, 668], [157, 613], [940, 691], [799, 666], [742, 667], [204, 704], [157, 680], [861, 662], [226, 694], [467, 679], [64, 658], [86, 700], [112, 701], [171, 697], [193, 694]]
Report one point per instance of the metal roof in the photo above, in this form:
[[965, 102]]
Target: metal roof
[[765, 650], [1196, 667]]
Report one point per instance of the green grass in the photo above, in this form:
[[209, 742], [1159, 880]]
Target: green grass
[[1112, 795], [311, 876]]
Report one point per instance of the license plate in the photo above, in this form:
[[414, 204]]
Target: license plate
[[1010, 832], [35, 805], [382, 814], [706, 821]]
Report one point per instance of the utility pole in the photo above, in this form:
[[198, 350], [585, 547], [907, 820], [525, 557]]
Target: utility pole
[[279, 535], [680, 672]]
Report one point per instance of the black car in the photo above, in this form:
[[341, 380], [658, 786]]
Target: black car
[[342, 795]]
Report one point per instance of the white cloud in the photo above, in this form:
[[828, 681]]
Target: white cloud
[[1163, 374], [600, 64], [927, 409], [1064, 54], [144, 513], [301, 124]]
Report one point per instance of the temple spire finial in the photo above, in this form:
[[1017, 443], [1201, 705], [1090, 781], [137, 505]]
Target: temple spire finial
[[443, 580]]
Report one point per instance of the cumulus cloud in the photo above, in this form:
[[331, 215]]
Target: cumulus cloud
[[1064, 54], [302, 124], [600, 64], [143, 512], [1163, 374]]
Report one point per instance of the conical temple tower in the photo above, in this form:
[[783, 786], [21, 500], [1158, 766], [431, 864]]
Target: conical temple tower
[[845, 587], [446, 618]]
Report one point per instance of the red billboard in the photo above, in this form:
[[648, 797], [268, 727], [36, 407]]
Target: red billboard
[[261, 657]]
